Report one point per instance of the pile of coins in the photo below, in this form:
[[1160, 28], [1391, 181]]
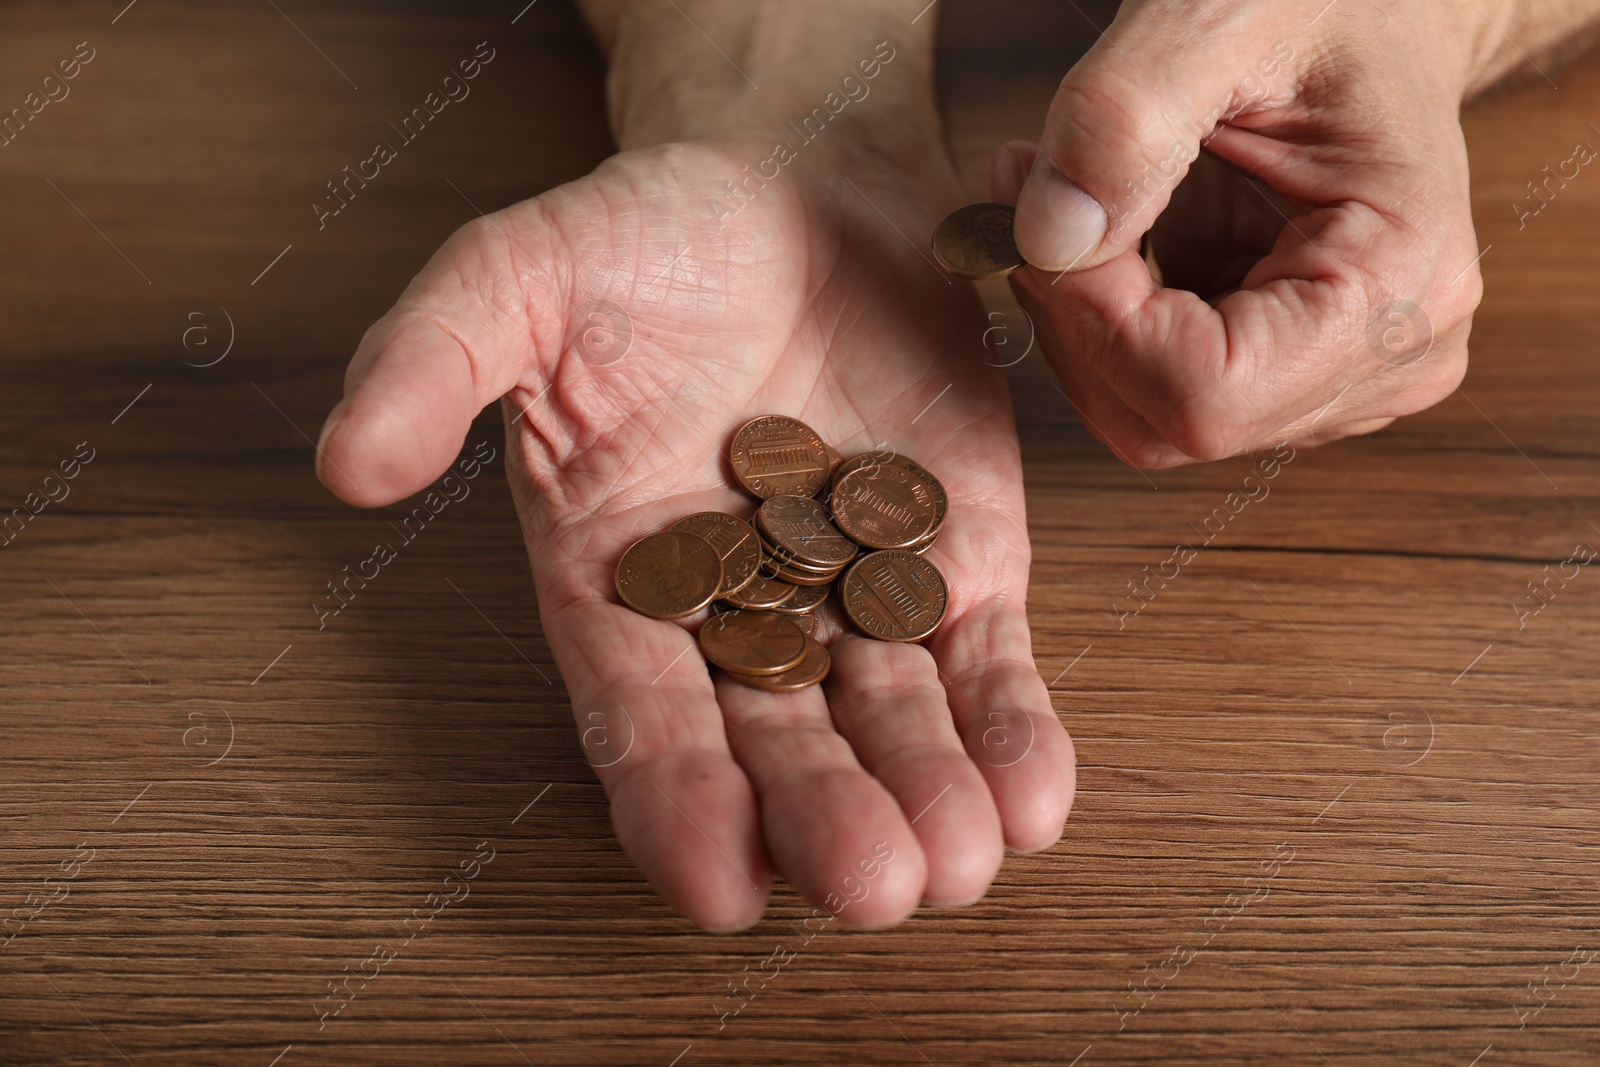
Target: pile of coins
[[857, 525]]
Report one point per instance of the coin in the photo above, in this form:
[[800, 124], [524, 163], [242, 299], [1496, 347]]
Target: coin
[[894, 595], [669, 575], [941, 501], [734, 540], [773, 562], [805, 600], [765, 591], [798, 526], [855, 463], [834, 459], [752, 642], [770, 574], [773, 556], [812, 668], [776, 454], [884, 506], [805, 578], [936, 487], [781, 567], [977, 241]]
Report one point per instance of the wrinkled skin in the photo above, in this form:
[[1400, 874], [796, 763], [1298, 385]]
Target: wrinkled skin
[[630, 330], [1319, 255]]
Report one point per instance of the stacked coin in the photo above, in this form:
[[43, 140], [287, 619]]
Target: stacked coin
[[800, 542], [889, 503], [767, 576]]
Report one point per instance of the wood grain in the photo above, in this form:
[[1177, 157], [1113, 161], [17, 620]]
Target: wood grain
[[1334, 690]]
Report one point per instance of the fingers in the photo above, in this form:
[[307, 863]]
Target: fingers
[[999, 706], [1201, 377], [1296, 324], [455, 341], [887, 701], [1214, 381], [689, 821], [833, 830], [650, 725], [1340, 432], [1009, 169], [1103, 413], [1125, 124], [1008, 727]]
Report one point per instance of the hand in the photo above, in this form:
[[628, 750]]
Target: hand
[[1320, 248], [631, 322]]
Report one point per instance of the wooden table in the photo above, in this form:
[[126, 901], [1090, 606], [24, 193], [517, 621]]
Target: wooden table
[[1336, 804]]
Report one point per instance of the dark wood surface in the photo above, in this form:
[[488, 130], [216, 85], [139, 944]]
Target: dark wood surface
[[1330, 726]]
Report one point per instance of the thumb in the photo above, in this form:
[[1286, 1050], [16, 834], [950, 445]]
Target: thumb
[[1123, 128], [459, 337]]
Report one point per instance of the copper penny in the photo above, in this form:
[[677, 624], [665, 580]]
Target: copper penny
[[805, 600], [865, 459], [806, 622], [780, 568], [773, 556], [798, 526], [763, 592], [813, 668], [856, 463], [834, 459], [977, 241], [734, 540], [773, 565], [894, 595], [884, 506], [669, 575], [940, 499], [752, 642], [804, 579], [776, 454]]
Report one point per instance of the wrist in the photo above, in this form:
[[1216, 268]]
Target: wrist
[[1438, 41], [1475, 55], [1516, 39], [835, 76]]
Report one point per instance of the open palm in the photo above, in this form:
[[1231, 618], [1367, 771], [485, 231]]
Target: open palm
[[631, 321]]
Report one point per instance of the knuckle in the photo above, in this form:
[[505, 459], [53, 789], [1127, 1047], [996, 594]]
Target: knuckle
[[1104, 113], [1440, 379], [473, 233], [1204, 429], [1471, 290], [1464, 296], [1149, 452]]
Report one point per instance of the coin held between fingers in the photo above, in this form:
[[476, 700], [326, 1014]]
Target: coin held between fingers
[[978, 241]]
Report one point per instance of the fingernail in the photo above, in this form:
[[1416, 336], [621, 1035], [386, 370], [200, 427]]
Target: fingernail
[[335, 419], [1006, 175], [1058, 224]]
